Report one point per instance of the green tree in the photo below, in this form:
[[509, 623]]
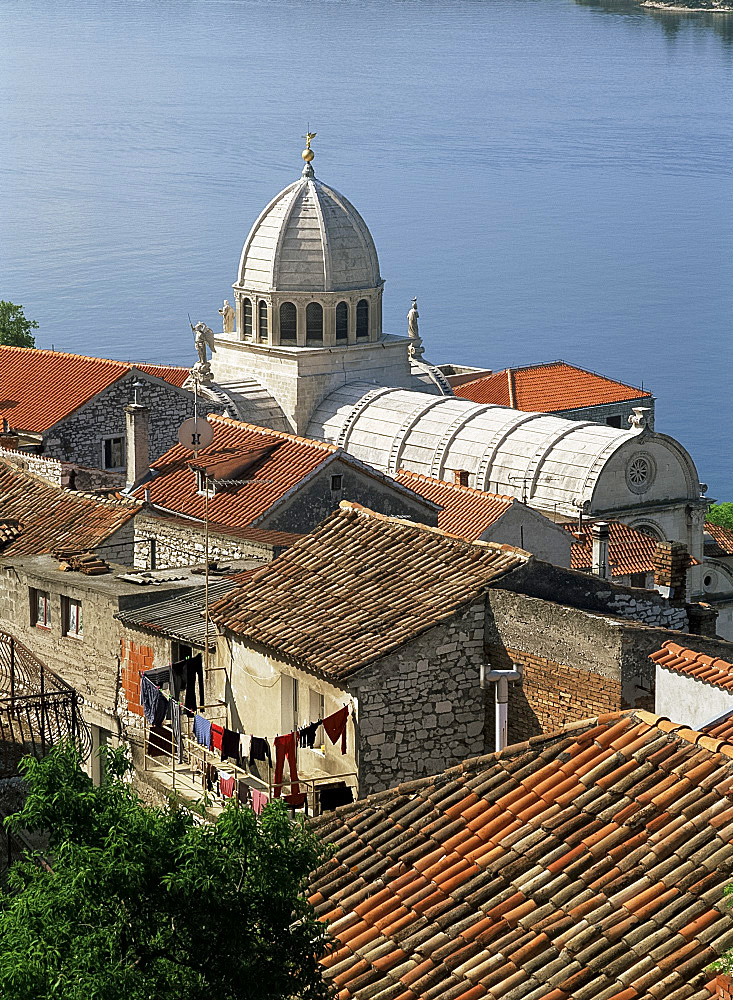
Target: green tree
[[150, 903], [15, 329], [721, 513]]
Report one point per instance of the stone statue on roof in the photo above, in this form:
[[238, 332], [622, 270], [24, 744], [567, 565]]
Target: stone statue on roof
[[227, 316], [203, 337], [416, 348]]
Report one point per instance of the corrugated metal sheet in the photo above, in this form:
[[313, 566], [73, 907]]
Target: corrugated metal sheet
[[180, 617]]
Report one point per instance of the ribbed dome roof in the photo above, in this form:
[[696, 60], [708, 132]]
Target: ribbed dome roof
[[309, 238]]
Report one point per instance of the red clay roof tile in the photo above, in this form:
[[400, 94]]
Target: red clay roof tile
[[39, 387], [709, 669], [466, 512], [720, 543], [629, 551]]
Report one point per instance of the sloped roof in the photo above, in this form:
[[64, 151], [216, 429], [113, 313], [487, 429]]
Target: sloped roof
[[39, 387], [281, 462], [720, 728], [720, 543], [52, 518], [180, 617], [585, 865], [358, 586], [547, 388], [629, 550], [711, 669], [466, 512]]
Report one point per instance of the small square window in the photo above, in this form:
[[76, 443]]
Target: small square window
[[114, 452], [336, 483], [71, 618], [40, 608]]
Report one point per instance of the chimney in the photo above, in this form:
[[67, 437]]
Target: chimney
[[460, 477], [137, 420], [601, 562], [670, 561]]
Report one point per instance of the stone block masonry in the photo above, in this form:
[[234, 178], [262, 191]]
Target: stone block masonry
[[179, 544], [421, 708]]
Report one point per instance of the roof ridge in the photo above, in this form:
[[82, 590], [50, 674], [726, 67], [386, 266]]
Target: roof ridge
[[233, 422], [454, 486], [363, 511], [117, 501]]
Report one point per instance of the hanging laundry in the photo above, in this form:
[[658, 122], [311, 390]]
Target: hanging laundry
[[217, 734], [176, 727], [243, 793], [194, 672], [160, 676], [226, 784], [285, 750], [307, 736], [154, 702], [202, 731], [259, 749], [259, 801], [335, 726], [212, 776], [243, 747], [230, 745]]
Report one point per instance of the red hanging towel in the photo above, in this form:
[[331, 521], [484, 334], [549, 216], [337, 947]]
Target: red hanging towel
[[335, 726], [217, 733], [226, 786]]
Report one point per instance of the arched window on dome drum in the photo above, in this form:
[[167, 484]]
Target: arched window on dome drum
[[247, 318], [314, 324], [288, 323], [342, 323], [362, 320], [262, 322]]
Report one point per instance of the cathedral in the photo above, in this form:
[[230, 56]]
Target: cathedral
[[303, 350]]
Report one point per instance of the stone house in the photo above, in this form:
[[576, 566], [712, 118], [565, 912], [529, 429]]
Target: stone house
[[491, 517], [694, 679], [260, 480], [72, 408]]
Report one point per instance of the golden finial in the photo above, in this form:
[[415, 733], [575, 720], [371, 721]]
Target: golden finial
[[308, 153]]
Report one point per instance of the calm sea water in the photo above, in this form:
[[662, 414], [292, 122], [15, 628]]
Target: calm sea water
[[551, 178]]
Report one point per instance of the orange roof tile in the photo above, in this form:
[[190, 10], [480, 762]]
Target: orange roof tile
[[720, 728], [39, 387], [629, 550], [359, 585], [712, 669], [269, 463], [583, 899], [466, 512], [547, 388], [720, 542], [51, 518]]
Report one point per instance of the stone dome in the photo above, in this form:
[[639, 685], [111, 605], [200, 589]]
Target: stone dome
[[311, 239]]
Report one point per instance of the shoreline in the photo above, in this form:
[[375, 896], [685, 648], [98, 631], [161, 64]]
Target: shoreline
[[679, 9]]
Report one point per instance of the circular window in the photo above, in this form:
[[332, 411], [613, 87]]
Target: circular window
[[707, 581], [640, 473]]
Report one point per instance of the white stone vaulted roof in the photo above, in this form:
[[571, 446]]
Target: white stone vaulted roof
[[309, 238], [552, 461]]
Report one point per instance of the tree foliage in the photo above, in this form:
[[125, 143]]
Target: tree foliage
[[721, 513], [15, 328], [147, 903]]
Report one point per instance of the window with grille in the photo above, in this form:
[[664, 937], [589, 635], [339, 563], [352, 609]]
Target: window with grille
[[247, 318], [342, 323], [288, 323], [314, 324], [262, 322], [362, 320]]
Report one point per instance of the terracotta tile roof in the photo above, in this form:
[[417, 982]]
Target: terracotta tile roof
[[38, 387], [359, 585], [720, 542], [52, 518], [720, 728], [273, 462], [466, 512], [547, 388], [586, 865], [687, 661], [629, 550], [9, 531]]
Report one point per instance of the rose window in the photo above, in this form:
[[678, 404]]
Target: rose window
[[639, 472]]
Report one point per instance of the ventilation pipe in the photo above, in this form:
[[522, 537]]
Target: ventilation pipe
[[500, 679], [601, 562], [137, 421]]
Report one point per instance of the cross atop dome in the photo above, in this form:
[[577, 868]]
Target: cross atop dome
[[308, 153]]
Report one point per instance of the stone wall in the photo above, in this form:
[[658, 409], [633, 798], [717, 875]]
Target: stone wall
[[421, 708], [119, 547], [600, 414], [183, 544], [79, 437]]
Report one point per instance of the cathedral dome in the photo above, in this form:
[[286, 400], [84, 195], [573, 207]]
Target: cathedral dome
[[311, 239]]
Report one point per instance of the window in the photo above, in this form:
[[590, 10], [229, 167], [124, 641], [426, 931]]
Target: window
[[71, 617], [201, 484], [262, 322], [247, 318], [114, 452], [288, 323], [362, 320], [314, 324], [336, 483], [342, 323], [317, 709], [614, 421], [40, 608]]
